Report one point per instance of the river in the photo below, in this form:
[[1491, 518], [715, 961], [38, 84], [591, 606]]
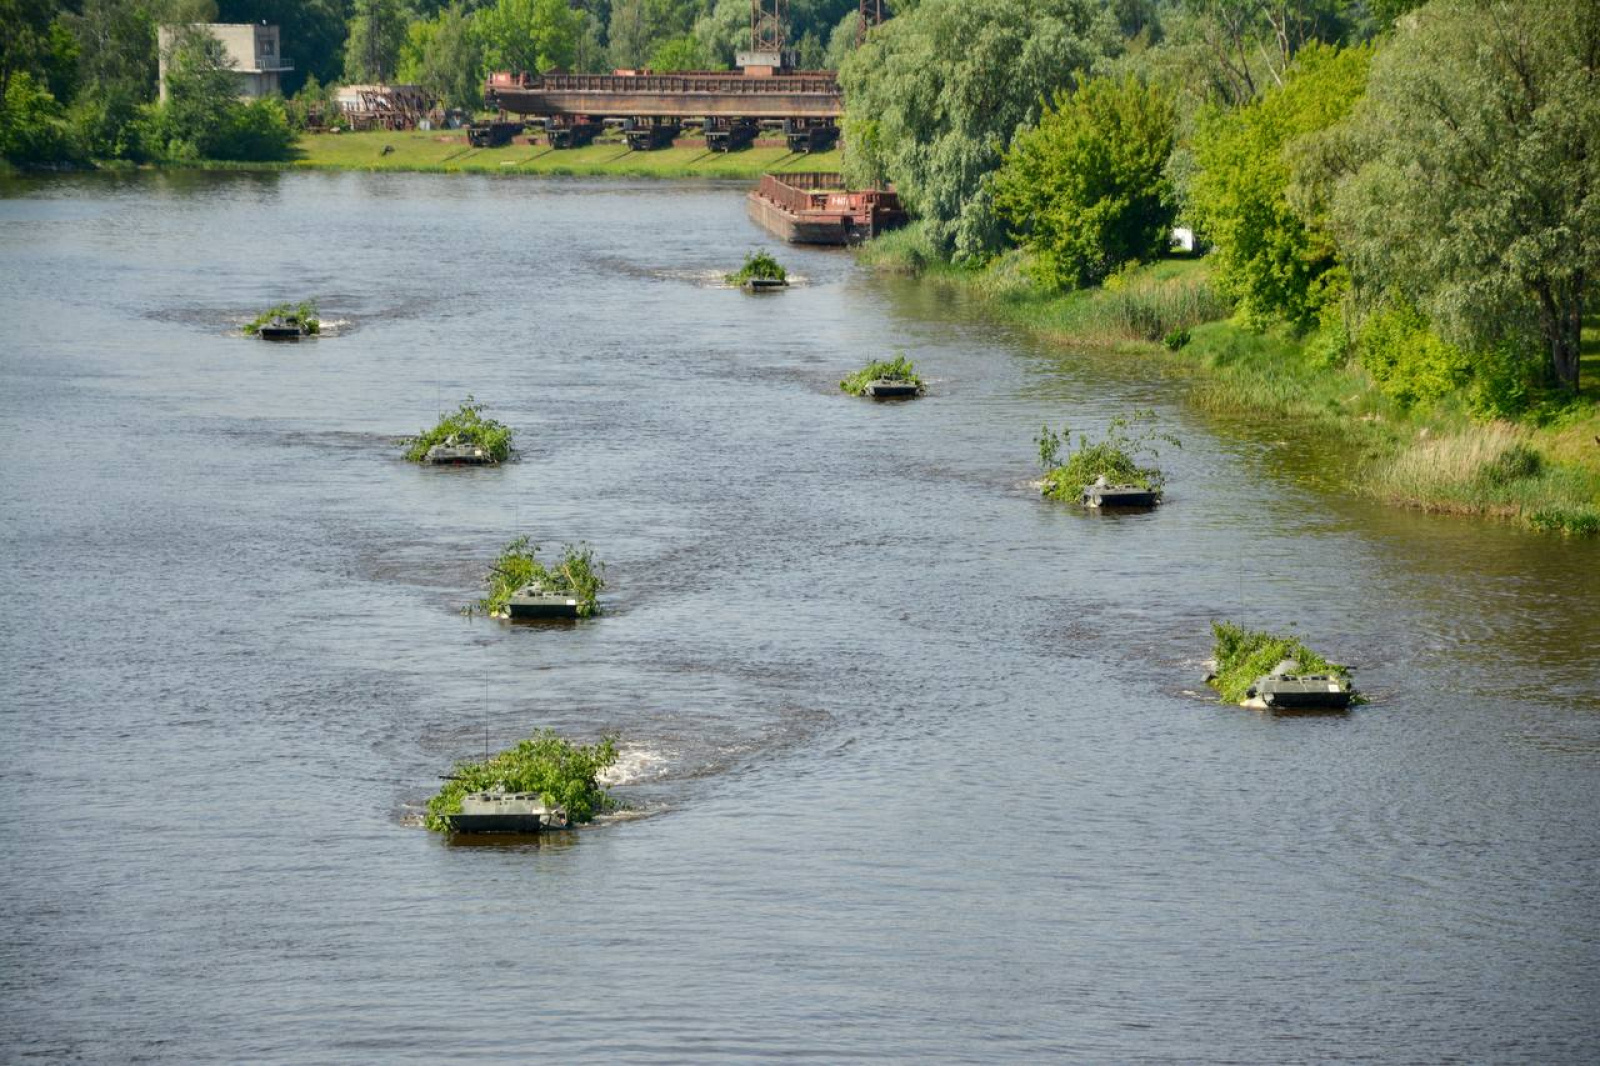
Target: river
[[916, 765]]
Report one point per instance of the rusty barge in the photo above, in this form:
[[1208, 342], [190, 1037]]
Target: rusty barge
[[816, 208]]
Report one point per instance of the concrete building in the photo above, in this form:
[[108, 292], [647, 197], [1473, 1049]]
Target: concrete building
[[253, 47]]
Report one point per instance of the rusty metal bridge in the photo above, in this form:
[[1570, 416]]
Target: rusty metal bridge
[[731, 107], [653, 108]]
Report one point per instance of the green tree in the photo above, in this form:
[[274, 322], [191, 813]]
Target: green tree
[[528, 35], [256, 129], [60, 61], [1084, 191], [1248, 45], [935, 117], [313, 33], [32, 128], [116, 46], [204, 118], [24, 38], [377, 33], [117, 70], [444, 55], [724, 30], [589, 49], [842, 40], [1477, 196], [1277, 262], [201, 96], [681, 53], [629, 33]]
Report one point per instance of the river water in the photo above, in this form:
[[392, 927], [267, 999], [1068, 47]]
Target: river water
[[916, 765]]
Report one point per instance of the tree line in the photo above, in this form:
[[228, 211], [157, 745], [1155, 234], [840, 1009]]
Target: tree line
[[1415, 185]]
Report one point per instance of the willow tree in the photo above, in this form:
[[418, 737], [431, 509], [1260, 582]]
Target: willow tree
[[935, 94], [1479, 195]]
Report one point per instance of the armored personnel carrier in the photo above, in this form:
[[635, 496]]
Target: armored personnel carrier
[[892, 389], [506, 812], [1100, 493], [1285, 689], [764, 284], [533, 601], [454, 452], [280, 329]]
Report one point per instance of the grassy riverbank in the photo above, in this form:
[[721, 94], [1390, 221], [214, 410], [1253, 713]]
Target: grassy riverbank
[[1543, 470], [448, 152]]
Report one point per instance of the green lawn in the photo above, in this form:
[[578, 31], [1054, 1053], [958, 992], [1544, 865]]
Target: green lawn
[[448, 151]]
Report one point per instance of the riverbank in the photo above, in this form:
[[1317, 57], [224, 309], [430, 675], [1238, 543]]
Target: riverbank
[[443, 151], [1542, 471], [447, 152]]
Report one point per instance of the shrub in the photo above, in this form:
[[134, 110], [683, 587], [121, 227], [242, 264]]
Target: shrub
[[576, 575], [1242, 655], [1505, 380], [1517, 462], [1176, 339], [563, 773], [897, 369], [111, 125], [303, 315], [256, 131], [758, 265], [32, 129], [1115, 457], [1409, 362], [1579, 521], [464, 425]]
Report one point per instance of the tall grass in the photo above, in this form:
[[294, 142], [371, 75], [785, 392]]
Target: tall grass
[[907, 250], [1139, 306], [1490, 469], [1147, 307]]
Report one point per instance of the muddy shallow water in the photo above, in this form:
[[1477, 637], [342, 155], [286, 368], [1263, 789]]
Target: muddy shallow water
[[922, 770]]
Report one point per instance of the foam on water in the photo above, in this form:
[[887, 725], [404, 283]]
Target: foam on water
[[636, 765]]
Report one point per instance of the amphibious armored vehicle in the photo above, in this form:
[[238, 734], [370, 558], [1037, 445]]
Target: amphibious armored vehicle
[[1288, 690], [533, 601], [764, 284], [454, 452], [506, 812], [1100, 493], [280, 329], [892, 389]]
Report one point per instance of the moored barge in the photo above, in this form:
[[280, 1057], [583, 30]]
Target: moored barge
[[816, 208]]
